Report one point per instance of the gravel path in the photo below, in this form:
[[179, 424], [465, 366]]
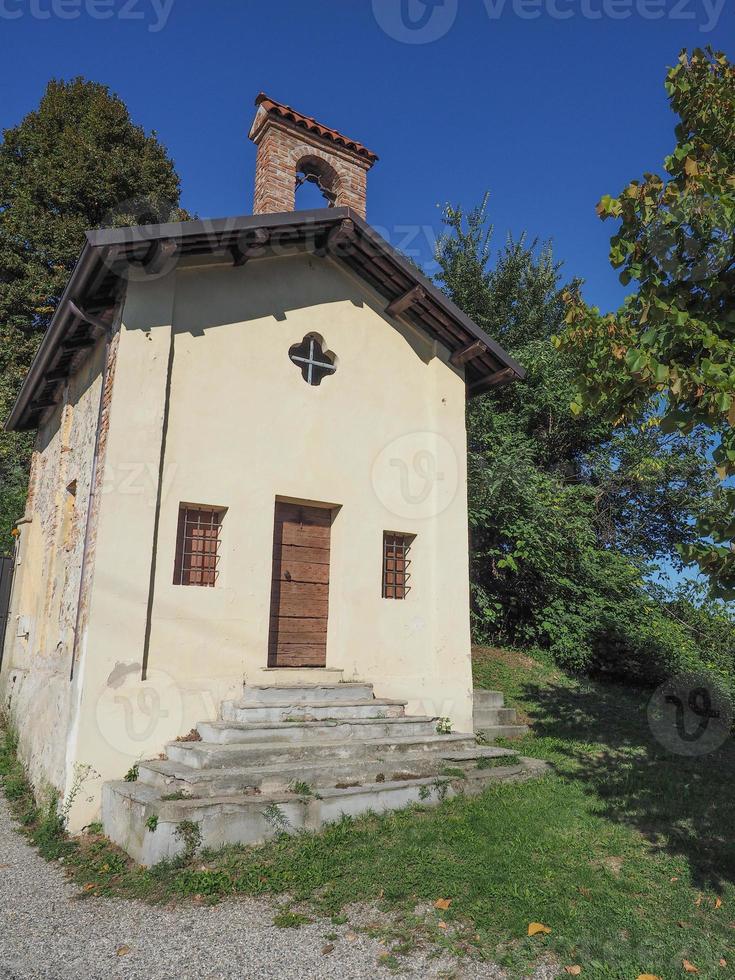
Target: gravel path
[[47, 932]]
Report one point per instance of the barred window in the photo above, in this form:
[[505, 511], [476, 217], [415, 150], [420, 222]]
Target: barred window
[[396, 564], [312, 360], [198, 545]]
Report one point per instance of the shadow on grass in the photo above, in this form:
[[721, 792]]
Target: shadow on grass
[[598, 736]]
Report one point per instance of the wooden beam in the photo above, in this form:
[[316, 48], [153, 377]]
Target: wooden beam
[[42, 404], [401, 303], [159, 255], [77, 343], [91, 318], [341, 237], [249, 246], [468, 353], [238, 256], [492, 381], [56, 374]]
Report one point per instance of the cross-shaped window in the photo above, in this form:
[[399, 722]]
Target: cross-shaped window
[[314, 362]]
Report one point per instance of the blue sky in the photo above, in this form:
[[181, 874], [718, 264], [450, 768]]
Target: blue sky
[[547, 104]]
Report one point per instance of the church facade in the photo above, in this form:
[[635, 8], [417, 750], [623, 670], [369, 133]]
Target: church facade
[[250, 466]]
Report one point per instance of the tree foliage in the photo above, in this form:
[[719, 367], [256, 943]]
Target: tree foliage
[[670, 349], [568, 513], [76, 162]]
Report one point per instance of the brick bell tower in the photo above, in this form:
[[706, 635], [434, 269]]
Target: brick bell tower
[[293, 148]]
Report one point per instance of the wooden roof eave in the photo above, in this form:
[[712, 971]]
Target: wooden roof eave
[[99, 278]]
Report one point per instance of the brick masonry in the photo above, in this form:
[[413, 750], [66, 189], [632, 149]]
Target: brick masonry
[[284, 149]]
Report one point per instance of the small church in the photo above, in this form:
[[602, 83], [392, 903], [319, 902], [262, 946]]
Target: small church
[[240, 593]]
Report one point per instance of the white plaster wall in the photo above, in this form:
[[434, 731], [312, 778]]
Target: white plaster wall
[[383, 439], [35, 680]]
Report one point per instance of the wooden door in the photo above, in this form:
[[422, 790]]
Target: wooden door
[[300, 586]]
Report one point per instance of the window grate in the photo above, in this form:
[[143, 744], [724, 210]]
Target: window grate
[[312, 360], [396, 564], [198, 546]]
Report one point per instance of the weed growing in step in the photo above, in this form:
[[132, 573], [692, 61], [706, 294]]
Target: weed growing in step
[[303, 789], [444, 726], [151, 823], [453, 772], [178, 795], [131, 776], [441, 786], [188, 831], [497, 762], [276, 818]]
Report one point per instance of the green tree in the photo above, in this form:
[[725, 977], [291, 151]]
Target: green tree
[[567, 513], [670, 349], [75, 163]]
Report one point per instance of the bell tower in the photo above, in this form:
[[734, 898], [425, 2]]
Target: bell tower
[[293, 148]]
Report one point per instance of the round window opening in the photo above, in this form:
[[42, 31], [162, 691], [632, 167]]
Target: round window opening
[[312, 360]]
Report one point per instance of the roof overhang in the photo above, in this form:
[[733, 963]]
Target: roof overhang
[[113, 256]]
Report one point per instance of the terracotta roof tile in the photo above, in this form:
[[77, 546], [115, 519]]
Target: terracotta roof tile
[[308, 122]]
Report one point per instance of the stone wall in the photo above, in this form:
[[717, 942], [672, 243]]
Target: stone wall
[[35, 687]]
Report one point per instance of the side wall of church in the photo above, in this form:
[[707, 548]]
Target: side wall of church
[[36, 688]]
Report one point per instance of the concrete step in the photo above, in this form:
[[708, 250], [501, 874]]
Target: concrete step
[[489, 717], [148, 828], [488, 699], [294, 676], [203, 755], [263, 694], [231, 732], [491, 732], [170, 777], [243, 711]]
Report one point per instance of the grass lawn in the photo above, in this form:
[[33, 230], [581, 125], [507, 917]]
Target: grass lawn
[[625, 853]]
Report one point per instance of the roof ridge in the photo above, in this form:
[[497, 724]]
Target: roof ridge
[[309, 122]]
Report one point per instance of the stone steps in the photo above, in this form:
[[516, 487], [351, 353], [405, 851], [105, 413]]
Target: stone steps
[[490, 717], [241, 711], [262, 694], [230, 732], [250, 819], [171, 777], [202, 755], [285, 759], [492, 720]]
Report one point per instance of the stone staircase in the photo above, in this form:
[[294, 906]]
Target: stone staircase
[[292, 758], [492, 719]]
